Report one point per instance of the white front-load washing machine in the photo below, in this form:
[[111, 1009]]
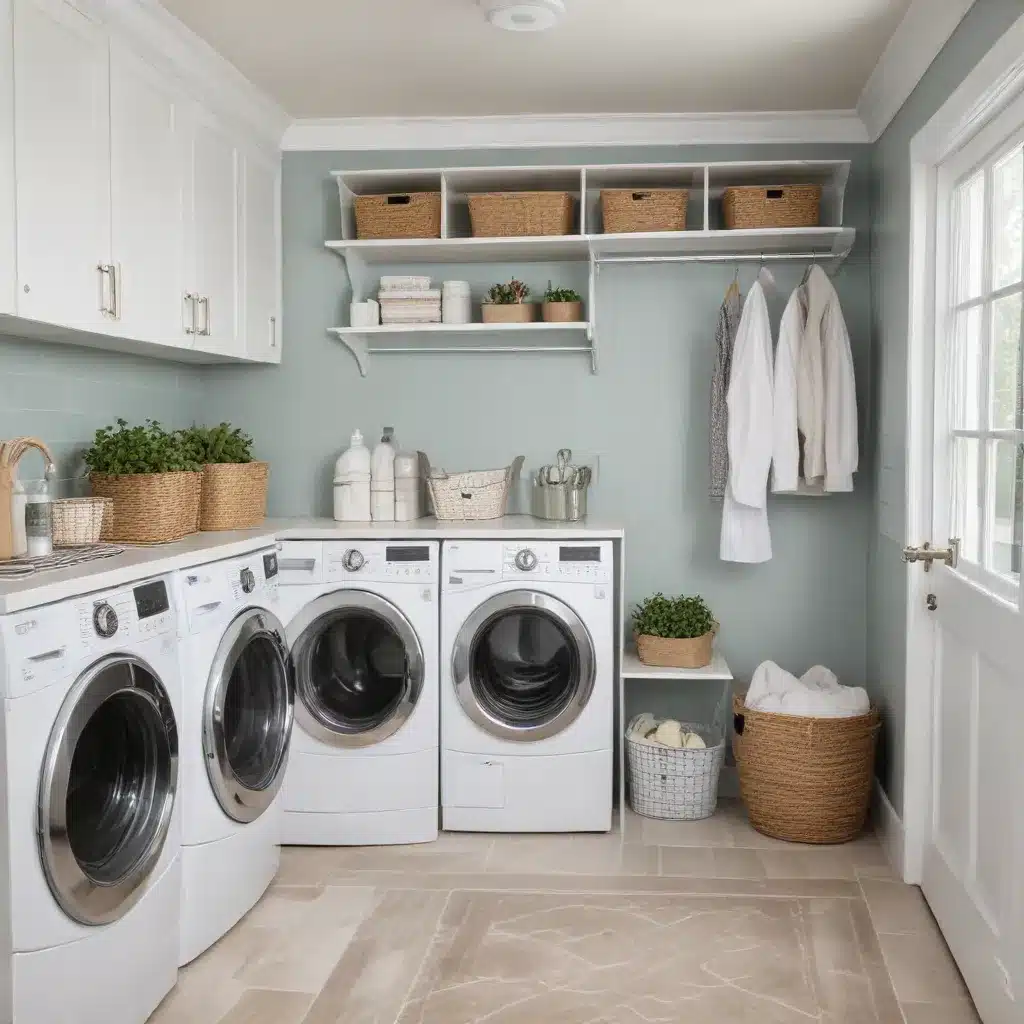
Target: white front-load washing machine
[[91, 851], [238, 706], [527, 686], [362, 624]]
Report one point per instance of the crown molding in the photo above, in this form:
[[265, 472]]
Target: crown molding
[[915, 44], [539, 131]]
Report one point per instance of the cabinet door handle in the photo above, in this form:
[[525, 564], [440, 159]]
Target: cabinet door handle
[[115, 276], [273, 332], [204, 302], [190, 305], [106, 287]]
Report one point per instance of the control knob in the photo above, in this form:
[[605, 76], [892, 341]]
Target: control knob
[[526, 560], [104, 620], [353, 560], [248, 580]]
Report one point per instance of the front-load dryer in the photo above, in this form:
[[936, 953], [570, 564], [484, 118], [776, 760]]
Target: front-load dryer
[[239, 698], [362, 624], [91, 851], [527, 687]]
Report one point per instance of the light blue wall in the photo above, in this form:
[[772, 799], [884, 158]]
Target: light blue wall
[[646, 413], [62, 394], [890, 254]]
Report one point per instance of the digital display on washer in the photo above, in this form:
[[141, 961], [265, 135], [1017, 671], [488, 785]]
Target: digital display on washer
[[408, 554], [270, 566], [579, 554], [151, 599]]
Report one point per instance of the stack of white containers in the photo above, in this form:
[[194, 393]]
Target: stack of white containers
[[409, 300]]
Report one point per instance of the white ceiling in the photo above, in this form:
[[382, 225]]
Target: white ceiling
[[366, 58]]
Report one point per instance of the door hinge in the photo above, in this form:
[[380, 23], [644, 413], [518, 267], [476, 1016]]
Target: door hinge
[[927, 554]]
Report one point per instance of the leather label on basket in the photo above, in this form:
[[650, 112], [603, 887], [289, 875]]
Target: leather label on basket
[[774, 193], [399, 200], [739, 723]]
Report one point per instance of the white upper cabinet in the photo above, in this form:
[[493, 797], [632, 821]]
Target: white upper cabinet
[[215, 239], [8, 264], [147, 212], [261, 247], [62, 162]]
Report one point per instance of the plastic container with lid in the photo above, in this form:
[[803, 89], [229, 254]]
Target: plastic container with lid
[[408, 487], [382, 479], [352, 482], [456, 303]]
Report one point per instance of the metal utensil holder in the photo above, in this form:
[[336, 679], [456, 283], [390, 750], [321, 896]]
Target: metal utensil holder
[[564, 503]]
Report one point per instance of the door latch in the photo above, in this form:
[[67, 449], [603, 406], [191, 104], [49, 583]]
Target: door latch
[[927, 554]]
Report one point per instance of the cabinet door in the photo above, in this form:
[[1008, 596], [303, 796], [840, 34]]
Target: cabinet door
[[147, 217], [261, 247], [62, 161], [8, 266], [215, 224]]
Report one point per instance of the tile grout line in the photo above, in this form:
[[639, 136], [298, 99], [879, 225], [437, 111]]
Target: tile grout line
[[426, 956]]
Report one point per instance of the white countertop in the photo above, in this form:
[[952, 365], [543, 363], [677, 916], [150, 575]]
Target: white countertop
[[137, 563], [525, 527]]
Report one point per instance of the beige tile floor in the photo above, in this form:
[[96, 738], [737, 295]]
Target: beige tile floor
[[656, 922]]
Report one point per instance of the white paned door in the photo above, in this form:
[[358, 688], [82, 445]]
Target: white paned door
[[62, 159], [973, 871], [216, 212], [261, 246], [147, 212]]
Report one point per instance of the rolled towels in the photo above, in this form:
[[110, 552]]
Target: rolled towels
[[670, 734], [694, 742]]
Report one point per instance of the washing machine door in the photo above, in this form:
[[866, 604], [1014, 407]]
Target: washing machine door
[[107, 789], [523, 665], [247, 718], [359, 668]]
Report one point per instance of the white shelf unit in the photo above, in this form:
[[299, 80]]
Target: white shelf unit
[[705, 240], [634, 668]]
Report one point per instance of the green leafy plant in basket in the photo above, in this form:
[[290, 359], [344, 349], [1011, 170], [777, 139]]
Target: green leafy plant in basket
[[218, 445], [508, 294], [561, 294], [674, 631], [121, 450]]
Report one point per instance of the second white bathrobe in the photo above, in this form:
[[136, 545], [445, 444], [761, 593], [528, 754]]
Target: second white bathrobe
[[745, 533]]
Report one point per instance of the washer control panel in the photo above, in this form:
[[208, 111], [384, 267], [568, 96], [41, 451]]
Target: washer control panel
[[381, 561], [569, 562], [117, 617]]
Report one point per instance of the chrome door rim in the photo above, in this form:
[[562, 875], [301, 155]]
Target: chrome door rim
[[462, 663], [307, 626], [240, 802], [82, 899]]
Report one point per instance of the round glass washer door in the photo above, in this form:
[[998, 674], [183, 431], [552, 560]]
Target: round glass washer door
[[523, 666], [107, 789], [247, 720], [359, 668]]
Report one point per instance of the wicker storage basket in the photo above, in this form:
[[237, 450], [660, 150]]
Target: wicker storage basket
[[474, 495], [234, 495], [400, 215], [677, 784], [658, 209], [78, 522], [670, 653], [507, 214], [508, 312], [149, 508], [779, 206], [807, 780]]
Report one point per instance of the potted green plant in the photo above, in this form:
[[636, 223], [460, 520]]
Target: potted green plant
[[562, 306], [234, 485], [677, 632], [153, 479], [507, 304]]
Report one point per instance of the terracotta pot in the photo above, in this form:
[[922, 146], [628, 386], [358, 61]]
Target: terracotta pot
[[562, 312], [509, 313]]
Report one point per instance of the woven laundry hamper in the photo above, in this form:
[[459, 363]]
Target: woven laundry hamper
[[806, 780]]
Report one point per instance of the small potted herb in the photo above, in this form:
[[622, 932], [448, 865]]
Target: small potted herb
[[562, 306], [153, 479], [234, 486], [678, 632], [507, 304]]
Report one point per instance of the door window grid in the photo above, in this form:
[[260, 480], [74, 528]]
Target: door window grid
[[986, 369]]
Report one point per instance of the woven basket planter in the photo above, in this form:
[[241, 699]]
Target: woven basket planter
[[149, 508], [401, 215], [806, 780], [481, 494], [562, 312], [658, 209], [671, 653], [234, 495], [509, 312], [78, 522], [509, 214], [780, 206]]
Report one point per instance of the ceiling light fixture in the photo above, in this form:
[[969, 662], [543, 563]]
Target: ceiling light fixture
[[523, 15]]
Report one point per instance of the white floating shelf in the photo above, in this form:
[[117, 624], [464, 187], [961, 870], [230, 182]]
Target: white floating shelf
[[821, 243], [634, 668], [542, 249], [538, 327]]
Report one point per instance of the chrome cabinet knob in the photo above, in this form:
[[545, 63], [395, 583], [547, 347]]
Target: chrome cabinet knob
[[104, 620], [353, 560], [526, 560]]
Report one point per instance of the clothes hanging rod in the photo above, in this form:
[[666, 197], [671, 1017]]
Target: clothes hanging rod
[[746, 257]]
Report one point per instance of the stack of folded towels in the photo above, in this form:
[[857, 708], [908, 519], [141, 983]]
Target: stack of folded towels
[[409, 300]]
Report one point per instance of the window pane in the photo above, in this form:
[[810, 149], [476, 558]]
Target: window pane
[[1005, 476], [1008, 201], [1006, 356], [968, 238], [965, 370], [965, 494]]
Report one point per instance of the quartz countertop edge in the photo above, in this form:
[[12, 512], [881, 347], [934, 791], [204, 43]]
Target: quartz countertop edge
[[139, 563]]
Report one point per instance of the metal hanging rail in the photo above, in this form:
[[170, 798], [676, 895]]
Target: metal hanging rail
[[749, 257]]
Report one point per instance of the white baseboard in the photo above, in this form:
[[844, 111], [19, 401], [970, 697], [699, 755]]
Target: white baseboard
[[889, 828]]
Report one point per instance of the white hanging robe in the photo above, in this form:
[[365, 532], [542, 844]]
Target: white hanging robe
[[745, 533], [786, 459]]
